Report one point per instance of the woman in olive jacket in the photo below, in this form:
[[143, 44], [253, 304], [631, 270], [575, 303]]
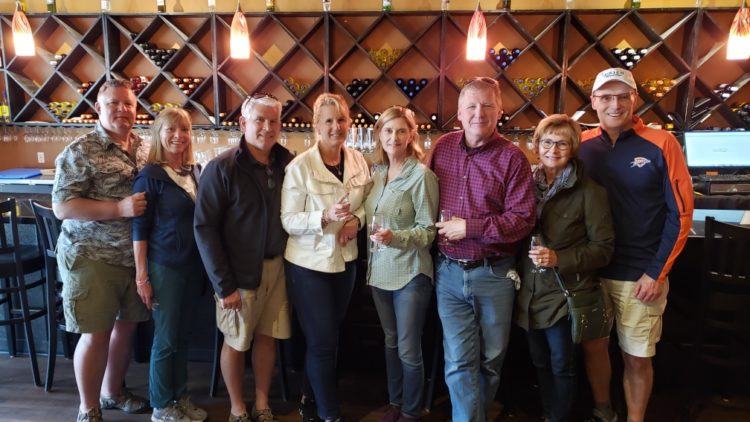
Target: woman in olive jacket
[[574, 221]]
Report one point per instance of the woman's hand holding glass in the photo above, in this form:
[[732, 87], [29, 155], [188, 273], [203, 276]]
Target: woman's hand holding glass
[[540, 255], [380, 235], [339, 210]]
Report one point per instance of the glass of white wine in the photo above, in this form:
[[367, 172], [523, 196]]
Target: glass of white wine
[[377, 224], [536, 243], [445, 215]]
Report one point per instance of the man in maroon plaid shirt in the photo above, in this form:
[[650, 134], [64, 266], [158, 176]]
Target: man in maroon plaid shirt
[[486, 185]]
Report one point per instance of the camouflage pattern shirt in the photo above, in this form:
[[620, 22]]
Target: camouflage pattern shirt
[[95, 167]]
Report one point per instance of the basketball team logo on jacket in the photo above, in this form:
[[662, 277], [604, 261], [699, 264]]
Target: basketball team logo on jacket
[[639, 162]]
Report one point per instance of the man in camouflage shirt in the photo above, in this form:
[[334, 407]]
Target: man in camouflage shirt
[[93, 195]]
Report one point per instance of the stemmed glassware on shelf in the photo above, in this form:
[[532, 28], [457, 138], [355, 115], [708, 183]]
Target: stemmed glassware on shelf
[[351, 138], [283, 139], [427, 141], [369, 147]]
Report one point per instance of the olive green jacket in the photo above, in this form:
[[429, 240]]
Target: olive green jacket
[[577, 224]]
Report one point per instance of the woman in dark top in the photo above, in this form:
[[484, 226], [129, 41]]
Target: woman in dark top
[[574, 220], [169, 272]]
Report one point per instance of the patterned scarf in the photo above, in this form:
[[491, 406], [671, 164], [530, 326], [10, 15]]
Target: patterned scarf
[[545, 192]]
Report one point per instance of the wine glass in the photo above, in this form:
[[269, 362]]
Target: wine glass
[[516, 140], [427, 141], [378, 223], [537, 243], [445, 215]]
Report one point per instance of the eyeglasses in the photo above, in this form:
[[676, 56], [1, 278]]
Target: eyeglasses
[[259, 97], [549, 143], [608, 98], [484, 80]]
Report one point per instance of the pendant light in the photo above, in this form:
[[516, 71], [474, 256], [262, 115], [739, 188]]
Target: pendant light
[[23, 37], [476, 39], [239, 38], [738, 46]]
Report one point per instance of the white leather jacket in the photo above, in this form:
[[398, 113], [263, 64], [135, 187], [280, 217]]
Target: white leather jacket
[[309, 189]]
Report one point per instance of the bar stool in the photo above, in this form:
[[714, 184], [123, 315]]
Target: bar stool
[[49, 230], [216, 367], [16, 261], [723, 317]]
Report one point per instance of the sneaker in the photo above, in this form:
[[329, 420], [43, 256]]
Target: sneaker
[[391, 414], [241, 418], [93, 415], [308, 411], [263, 415], [170, 413], [191, 411], [598, 416], [127, 402]]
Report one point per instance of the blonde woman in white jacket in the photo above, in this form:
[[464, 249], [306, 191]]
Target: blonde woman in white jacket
[[322, 208]]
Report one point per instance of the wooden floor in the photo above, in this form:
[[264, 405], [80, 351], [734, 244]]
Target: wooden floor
[[363, 396]]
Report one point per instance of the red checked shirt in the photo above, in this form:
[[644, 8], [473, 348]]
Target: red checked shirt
[[491, 188]]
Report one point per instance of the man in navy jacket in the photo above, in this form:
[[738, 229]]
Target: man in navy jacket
[[241, 241]]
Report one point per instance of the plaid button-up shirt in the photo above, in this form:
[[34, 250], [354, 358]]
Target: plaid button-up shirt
[[491, 188]]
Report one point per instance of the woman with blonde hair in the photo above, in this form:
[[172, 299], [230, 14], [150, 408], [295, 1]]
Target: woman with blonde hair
[[322, 208], [403, 201], [169, 272]]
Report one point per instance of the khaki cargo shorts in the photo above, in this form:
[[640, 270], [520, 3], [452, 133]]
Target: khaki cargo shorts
[[264, 310], [95, 294], [638, 324]]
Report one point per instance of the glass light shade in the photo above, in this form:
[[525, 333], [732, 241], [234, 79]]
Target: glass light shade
[[239, 39], [23, 37], [738, 45], [476, 39]]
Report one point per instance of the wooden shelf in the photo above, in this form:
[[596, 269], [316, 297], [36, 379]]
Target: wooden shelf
[[326, 52]]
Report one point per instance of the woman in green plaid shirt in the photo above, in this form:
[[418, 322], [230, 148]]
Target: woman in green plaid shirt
[[402, 203]]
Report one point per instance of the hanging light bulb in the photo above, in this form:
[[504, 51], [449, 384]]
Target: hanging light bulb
[[738, 46], [23, 37], [239, 39], [476, 40]]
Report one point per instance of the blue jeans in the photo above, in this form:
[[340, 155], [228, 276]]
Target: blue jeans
[[321, 301], [475, 308], [177, 292], [402, 315], [553, 354]]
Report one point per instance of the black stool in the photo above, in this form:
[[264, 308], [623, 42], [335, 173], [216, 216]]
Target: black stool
[[16, 261], [49, 230]]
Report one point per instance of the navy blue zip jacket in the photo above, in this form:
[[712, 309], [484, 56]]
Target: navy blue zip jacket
[[167, 224], [650, 193]]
